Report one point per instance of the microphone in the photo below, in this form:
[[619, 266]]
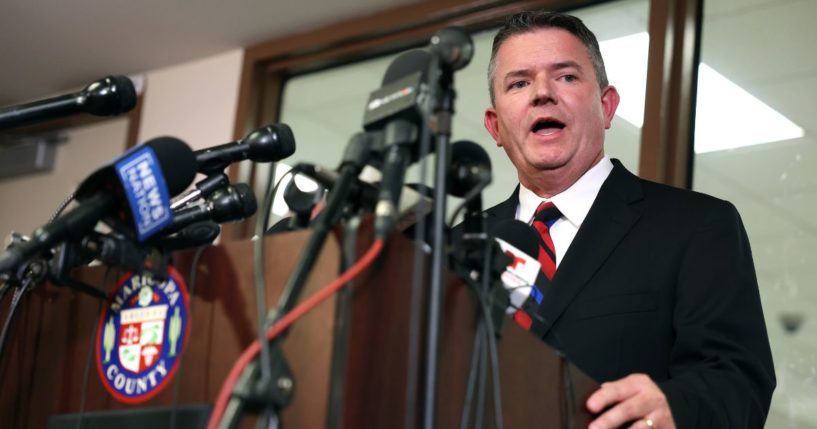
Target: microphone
[[403, 92], [470, 168], [453, 46], [518, 241], [301, 202], [366, 194], [109, 96], [118, 251], [398, 108], [468, 174], [136, 189], [270, 143], [203, 189], [228, 204]]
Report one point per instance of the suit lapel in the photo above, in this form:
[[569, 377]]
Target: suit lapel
[[614, 212], [502, 211]]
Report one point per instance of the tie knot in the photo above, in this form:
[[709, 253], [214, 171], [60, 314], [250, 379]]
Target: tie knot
[[547, 213]]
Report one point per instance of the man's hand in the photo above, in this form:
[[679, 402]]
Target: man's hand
[[635, 398]]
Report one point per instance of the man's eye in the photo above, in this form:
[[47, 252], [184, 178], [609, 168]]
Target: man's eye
[[570, 78], [518, 84]]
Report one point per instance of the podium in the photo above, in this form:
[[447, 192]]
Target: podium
[[353, 348]]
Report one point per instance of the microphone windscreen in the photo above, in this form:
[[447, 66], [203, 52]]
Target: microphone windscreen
[[287, 139], [109, 96], [247, 198], [177, 161], [454, 47], [416, 60], [517, 234], [469, 163], [273, 142]]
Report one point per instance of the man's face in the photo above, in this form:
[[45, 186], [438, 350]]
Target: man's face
[[550, 113]]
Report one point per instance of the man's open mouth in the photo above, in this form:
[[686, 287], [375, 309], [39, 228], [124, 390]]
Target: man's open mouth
[[547, 126]]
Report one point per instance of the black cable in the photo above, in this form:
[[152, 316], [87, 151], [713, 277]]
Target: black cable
[[259, 280], [482, 379], [261, 221], [24, 286], [472, 376], [473, 193], [15, 300], [62, 207], [493, 359], [485, 328], [236, 407]]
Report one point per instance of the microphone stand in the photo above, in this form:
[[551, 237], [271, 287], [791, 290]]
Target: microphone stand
[[275, 391], [355, 159], [443, 110], [480, 261], [340, 334], [22, 278]]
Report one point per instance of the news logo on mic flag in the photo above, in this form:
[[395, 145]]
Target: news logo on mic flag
[[149, 201], [519, 276]]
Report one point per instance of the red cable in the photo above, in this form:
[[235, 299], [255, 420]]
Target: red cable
[[252, 351]]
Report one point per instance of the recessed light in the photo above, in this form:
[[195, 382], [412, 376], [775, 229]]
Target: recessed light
[[727, 116]]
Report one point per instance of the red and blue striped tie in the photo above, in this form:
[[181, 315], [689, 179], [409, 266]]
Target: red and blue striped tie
[[546, 215]]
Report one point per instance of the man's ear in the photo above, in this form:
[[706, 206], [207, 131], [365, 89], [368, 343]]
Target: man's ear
[[609, 104], [492, 124]]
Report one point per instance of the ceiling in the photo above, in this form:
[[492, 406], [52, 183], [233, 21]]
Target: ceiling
[[51, 47]]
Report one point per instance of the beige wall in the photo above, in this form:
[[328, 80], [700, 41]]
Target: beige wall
[[28, 201], [194, 101]]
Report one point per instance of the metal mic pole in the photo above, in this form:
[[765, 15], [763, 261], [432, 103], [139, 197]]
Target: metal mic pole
[[453, 50], [443, 113]]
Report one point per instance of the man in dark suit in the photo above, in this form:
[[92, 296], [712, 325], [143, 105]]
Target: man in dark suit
[[655, 293]]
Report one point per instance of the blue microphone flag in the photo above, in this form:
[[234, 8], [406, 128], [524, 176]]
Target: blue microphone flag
[[141, 177]]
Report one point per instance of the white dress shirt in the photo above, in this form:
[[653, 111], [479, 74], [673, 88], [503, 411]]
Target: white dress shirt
[[574, 203]]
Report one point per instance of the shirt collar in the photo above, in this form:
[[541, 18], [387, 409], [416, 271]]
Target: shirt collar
[[575, 201]]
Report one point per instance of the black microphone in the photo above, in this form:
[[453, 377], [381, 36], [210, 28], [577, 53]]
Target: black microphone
[[228, 204], [203, 189], [470, 168], [403, 91], [399, 109], [519, 242], [366, 194], [301, 202], [468, 174], [453, 46], [118, 251], [109, 96], [270, 143], [518, 234], [133, 189]]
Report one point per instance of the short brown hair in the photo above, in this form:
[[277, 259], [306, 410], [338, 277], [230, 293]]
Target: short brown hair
[[525, 22]]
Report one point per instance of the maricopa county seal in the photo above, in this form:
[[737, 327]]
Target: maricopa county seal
[[141, 334]]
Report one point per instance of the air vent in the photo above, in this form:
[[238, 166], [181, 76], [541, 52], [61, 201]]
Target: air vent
[[28, 155]]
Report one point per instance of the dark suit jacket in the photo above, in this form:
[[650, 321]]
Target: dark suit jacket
[[661, 281]]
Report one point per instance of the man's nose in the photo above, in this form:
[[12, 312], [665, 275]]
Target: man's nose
[[543, 92]]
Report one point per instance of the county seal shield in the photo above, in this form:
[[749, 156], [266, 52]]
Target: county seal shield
[[142, 332]]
